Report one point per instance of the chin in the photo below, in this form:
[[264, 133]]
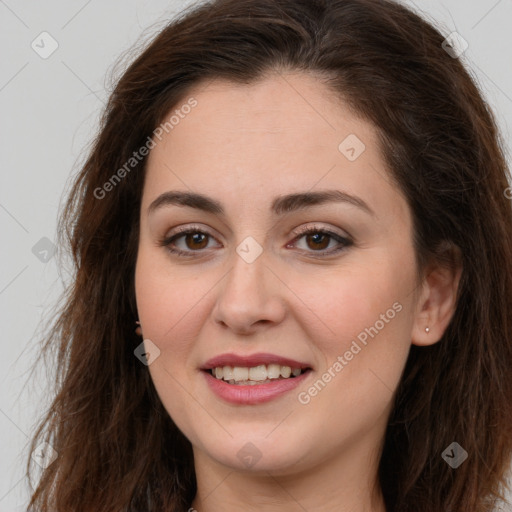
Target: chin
[[258, 454]]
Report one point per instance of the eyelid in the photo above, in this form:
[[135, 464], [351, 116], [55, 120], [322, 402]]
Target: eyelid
[[315, 227], [345, 240], [299, 231], [183, 230]]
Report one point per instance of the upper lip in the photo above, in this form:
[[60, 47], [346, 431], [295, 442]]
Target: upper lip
[[251, 361]]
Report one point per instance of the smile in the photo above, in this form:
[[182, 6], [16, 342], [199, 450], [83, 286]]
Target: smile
[[253, 379], [261, 374]]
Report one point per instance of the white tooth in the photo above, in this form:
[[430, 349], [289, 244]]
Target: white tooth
[[258, 372], [273, 371], [286, 371], [218, 372], [227, 373], [296, 372], [240, 373]]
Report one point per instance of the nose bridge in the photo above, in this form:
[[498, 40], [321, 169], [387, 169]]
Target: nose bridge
[[248, 294]]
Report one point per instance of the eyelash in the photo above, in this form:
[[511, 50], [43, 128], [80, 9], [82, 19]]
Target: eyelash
[[167, 242]]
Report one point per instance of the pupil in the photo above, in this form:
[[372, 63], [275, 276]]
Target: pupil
[[194, 236], [316, 241]]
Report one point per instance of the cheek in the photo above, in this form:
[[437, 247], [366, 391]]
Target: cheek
[[361, 331], [169, 306], [346, 304], [165, 304], [168, 300]]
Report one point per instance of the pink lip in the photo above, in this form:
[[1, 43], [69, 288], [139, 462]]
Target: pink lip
[[252, 360], [251, 395]]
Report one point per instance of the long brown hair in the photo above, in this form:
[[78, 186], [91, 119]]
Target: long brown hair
[[118, 449]]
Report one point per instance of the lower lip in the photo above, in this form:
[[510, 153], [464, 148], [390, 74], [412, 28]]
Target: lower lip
[[252, 394]]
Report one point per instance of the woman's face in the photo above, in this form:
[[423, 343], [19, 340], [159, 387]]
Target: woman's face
[[248, 289]]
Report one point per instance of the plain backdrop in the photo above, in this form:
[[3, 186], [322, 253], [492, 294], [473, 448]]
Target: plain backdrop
[[50, 106]]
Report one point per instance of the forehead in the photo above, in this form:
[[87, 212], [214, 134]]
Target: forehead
[[284, 133]]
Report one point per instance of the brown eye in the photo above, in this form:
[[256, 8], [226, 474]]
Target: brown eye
[[196, 240], [191, 242], [318, 240], [186, 242]]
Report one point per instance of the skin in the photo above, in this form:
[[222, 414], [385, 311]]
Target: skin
[[243, 145]]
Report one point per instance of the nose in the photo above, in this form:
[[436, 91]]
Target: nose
[[250, 297]]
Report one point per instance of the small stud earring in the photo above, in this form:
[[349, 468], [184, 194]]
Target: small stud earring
[[427, 329], [138, 329]]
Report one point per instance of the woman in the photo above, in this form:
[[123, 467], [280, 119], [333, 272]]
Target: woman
[[293, 280]]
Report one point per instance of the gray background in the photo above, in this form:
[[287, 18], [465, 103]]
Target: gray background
[[50, 109]]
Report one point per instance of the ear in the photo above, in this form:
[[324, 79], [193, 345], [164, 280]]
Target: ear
[[438, 296]]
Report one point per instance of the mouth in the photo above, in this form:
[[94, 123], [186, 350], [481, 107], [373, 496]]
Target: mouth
[[255, 375], [254, 379]]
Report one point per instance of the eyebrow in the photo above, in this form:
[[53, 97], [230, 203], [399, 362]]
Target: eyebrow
[[280, 206]]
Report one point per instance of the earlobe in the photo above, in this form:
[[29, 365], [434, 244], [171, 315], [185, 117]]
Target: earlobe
[[138, 329], [438, 300]]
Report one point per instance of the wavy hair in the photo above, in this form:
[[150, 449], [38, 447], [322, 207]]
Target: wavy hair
[[118, 449]]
